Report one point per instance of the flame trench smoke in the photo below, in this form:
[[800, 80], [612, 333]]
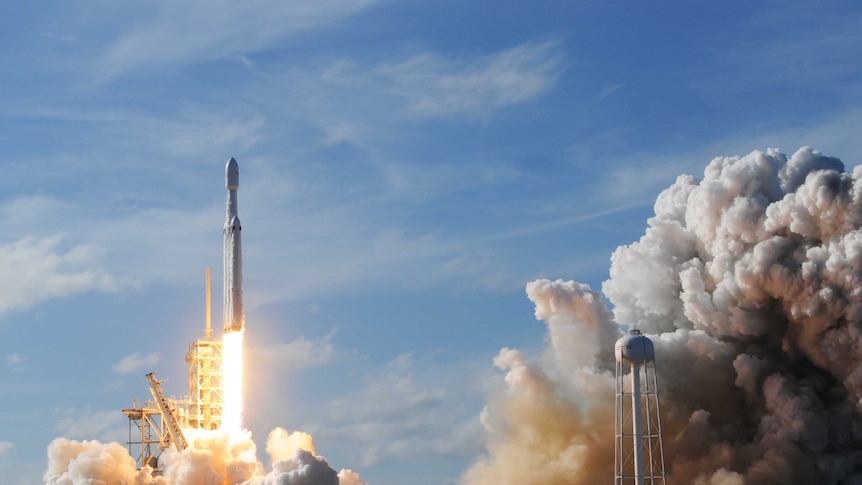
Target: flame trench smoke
[[749, 282], [213, 457]]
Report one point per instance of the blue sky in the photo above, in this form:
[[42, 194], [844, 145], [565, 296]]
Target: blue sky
[[406, 168]]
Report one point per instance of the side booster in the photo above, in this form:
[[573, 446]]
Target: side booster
[[234, 319]]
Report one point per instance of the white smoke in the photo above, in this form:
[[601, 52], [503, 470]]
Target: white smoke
[[282, 444], [749, 281], [212, 457], [73, 462]]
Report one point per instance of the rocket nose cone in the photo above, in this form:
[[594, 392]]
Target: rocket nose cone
[[231, 174]]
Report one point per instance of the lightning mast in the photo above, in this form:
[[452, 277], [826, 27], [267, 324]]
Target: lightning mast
[[638, 449]]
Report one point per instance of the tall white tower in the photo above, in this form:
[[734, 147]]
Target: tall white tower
[[638, 450]]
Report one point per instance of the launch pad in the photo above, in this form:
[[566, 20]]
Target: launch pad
[[150, 426], [158, 424]]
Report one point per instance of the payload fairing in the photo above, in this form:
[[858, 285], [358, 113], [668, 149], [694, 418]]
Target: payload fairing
[[234, 319]]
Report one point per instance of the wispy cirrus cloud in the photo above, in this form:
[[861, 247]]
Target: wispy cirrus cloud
[[102, 425], [189, 133], [395, 416], [301, 353], [197, 30], [642, 175], [820, 49], [609, 90], [436, 86], [15, 362], [135, 362]]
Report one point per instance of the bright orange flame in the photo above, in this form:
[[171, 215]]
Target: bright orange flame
[[232, 383]]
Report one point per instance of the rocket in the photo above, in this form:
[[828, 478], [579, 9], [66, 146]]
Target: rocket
[[234, 319]]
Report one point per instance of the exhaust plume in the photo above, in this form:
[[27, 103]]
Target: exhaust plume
[[212, 457], [749, 282]]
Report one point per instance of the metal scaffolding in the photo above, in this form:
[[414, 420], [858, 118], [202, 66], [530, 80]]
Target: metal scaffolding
[[205, 374], [152, 425], [146, 434], [149, 430], [205, 384], [638, 447], [171, 413]]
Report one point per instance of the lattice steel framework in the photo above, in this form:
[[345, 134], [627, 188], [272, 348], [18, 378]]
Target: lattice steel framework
[[147, 434], [205, 384]]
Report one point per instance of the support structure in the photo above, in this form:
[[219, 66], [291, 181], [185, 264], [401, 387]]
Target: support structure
[[205, 384], [146, 434], [155, 425], [638, 448], [170, 415], [205, 374]]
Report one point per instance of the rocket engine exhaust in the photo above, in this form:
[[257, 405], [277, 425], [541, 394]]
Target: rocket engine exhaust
[[234, 320]]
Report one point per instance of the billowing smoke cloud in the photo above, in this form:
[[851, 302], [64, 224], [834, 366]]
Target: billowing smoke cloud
[[749, 281], [71, 462], [212, 457]]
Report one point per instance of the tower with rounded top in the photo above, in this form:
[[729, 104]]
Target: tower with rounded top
[[638, 449]]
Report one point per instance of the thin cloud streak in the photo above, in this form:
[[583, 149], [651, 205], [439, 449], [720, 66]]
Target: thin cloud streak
[[817, 53], [135, 362], [299, 354], [397, 416], [195, 31], [433, 85], [187, 134], [102, 425], [438, 87], [610, 90]]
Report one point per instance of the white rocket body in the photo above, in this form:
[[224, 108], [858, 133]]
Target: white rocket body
[[234, 319]]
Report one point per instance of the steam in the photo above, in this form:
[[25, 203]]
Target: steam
[[749, 282], [212, 457], [72, 462]]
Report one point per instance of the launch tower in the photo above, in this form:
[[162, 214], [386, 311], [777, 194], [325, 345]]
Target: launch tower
[[150, 423], [638, 449], [205, 374]]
